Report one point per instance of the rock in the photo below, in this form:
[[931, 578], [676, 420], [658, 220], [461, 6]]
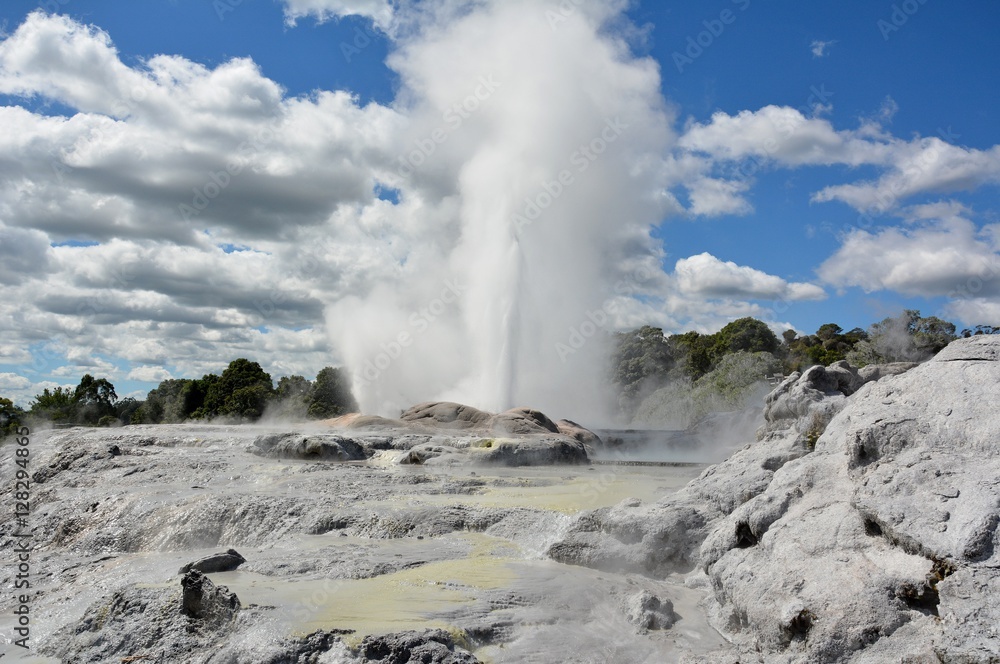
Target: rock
[[148, 624], [429, 646], [445, 415], [647, 611], [325, 447], [205, 601], [219, 562], [519, 421], [867, 548], [878, 371], [862, 526], [532, 451], [570, 428]]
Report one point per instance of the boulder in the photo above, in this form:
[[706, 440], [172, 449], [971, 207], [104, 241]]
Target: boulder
[[445, 415], [320, 447], [647, 611], [429, 646], [226, 561], [204, 601], [520, 421]]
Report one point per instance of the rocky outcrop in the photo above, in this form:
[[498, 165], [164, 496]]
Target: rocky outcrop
[[430, 646], [873, 539], [647, 611], [204, 601], [320, 447], [203, 624]]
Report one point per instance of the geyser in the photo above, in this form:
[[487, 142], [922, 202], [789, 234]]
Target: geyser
[[534, 205]]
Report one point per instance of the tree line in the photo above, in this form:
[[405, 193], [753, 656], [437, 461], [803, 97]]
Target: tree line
[[727, 365], [244, 392]]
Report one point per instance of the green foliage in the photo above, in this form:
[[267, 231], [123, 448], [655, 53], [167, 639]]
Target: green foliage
[[126, 408], [56, 405], [830, 344], [737, 380], [331, 395], [173, 400], [291, 398], [11, 417], [639, 355], [241, 391], [744, 335], [95, 399], [908, 337]]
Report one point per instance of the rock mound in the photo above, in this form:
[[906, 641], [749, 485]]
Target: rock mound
[[872, 537], [430, 646]]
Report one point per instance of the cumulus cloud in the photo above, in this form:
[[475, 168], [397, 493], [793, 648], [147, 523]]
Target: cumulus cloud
[[149, 374], [182, 215], [379, 11], [705, 275], [783, 136], [938, 253]]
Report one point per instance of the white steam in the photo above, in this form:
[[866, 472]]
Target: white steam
[[533, 140]]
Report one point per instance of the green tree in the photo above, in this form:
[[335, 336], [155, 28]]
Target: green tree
[[126, 408], [331, 395], [11, 417], [291, 398], [241, 391], [58, 405], [640, 355], [745, 334], [95, 398]]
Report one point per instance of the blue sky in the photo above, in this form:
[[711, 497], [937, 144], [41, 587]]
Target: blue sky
[[873, 101]]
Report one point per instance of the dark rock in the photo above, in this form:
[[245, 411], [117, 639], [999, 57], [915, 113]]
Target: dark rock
[[429, 646], [204, 601], [219, 562]]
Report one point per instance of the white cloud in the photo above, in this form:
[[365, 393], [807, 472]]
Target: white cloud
[[712, 197], [379, 11], [705, 275], [784, 136], [930, 257], [819, 47], [149, 374], [12, 381]]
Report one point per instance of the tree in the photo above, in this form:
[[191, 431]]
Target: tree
[[291, 398], [11, 417], [126, 409], [56, 405], [95, 398], [745, 334], [241, 391], [640, 355], [330, 395]]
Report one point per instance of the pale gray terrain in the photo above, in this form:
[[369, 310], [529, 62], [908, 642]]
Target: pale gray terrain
[[860, 526]]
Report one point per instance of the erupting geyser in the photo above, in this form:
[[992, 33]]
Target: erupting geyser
[[524, 208]]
